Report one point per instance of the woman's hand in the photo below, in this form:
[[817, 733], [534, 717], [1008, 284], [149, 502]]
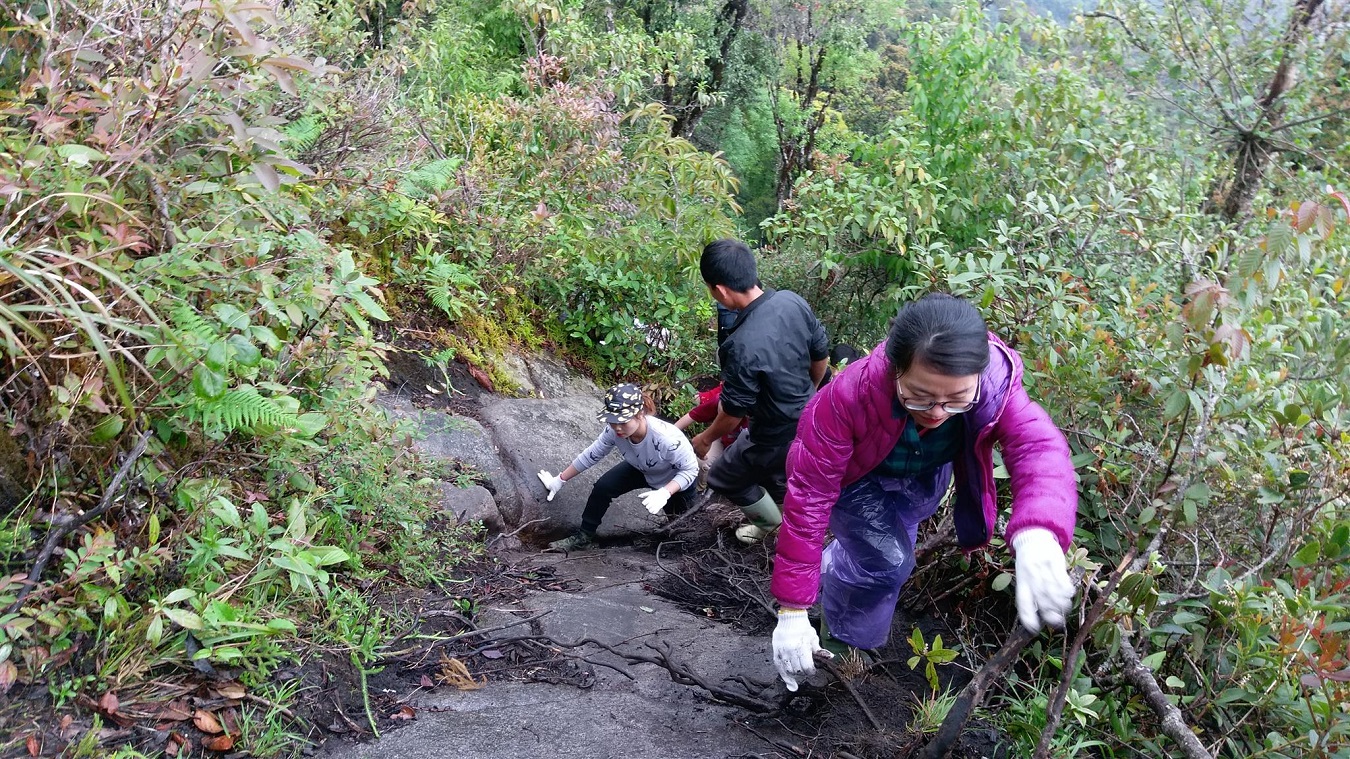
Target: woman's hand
[[795, 646], [552, 482], [655, 500], [1044, 590]]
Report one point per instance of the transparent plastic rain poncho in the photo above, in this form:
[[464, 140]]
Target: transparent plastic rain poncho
[[875, 524]]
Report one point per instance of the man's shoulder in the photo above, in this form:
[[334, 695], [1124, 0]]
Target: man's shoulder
[[787, 299]]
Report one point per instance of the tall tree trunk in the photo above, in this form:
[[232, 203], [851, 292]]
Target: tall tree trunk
[[1251, 148], [797, 144], [685, 105]]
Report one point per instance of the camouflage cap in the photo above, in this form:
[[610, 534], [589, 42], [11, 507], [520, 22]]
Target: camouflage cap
[[622, 402]]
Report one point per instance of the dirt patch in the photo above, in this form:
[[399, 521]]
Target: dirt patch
[[865, 711]]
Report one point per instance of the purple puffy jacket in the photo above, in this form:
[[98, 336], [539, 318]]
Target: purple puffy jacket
[[849, 427]]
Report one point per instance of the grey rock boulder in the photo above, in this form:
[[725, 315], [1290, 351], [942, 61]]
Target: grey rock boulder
[[471, 504], [450, 438]]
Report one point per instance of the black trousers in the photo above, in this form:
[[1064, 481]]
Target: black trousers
[[747, 469], [623, 478]]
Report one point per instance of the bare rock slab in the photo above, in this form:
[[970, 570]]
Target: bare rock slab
[[536, 434]]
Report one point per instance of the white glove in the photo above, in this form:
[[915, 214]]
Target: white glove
[[795, 646], [551, 482], [655, 500], [1044, 590]]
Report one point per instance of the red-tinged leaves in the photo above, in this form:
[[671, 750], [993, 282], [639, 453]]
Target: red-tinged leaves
[[1205, 298], [1345, 201], [407, 712], [207, 722], [219, 743], [427, 683], [34, 745], [9, 674], [172, 711], [175, 742], [108, 703], [482, 378], [1342, 676]]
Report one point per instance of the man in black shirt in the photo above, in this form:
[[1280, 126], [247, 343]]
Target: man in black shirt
[[773, 357]]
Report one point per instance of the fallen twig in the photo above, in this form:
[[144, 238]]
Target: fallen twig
[[516, 531], [796, 750], [833, 669], [66, 524], [681, 519], [468, 633], [972, 695], [1172, 722]]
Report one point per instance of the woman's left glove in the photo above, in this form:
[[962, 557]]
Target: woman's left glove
[[1044, 590], [655, 500]]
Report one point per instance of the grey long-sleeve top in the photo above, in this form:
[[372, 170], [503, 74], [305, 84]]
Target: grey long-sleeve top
[[665, 454]]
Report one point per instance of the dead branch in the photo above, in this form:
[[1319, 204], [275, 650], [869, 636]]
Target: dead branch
[[1173, 723], [681, 519], [972, 695], [1134, 40], [833, 669], [793, 749], [66, 524]]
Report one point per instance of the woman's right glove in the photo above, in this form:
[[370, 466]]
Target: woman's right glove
[[1044, 590], [795, 645], [552, 482]]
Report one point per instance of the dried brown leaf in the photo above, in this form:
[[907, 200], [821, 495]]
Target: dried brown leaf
[[172, 711], [207, 722], [483, 379], [232, 690], [33, 745], [9, 674], [427, 683], [108, 703], [406, 712], [455, 674]]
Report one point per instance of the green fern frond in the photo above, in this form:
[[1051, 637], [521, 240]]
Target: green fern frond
[[436, 176], [188, 322], [302, 133], [243, 408]]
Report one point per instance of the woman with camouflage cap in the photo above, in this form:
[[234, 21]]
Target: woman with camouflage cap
[[655, 455]]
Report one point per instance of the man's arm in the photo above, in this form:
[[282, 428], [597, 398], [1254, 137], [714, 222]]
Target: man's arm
[[818, 370], [723, 425]]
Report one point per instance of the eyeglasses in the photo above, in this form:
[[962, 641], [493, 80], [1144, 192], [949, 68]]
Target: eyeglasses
[[951, 407]]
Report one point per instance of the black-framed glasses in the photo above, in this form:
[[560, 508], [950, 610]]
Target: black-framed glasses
[[951, 407]]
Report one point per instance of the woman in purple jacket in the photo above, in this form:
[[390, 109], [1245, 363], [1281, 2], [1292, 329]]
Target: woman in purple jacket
[[875, 453]]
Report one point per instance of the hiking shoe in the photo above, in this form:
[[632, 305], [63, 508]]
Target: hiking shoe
[[574, 542]]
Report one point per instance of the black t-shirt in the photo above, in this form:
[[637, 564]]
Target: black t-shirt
[[766, 364]]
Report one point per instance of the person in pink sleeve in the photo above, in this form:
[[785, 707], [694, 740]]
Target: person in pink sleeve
[[875, 452]]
